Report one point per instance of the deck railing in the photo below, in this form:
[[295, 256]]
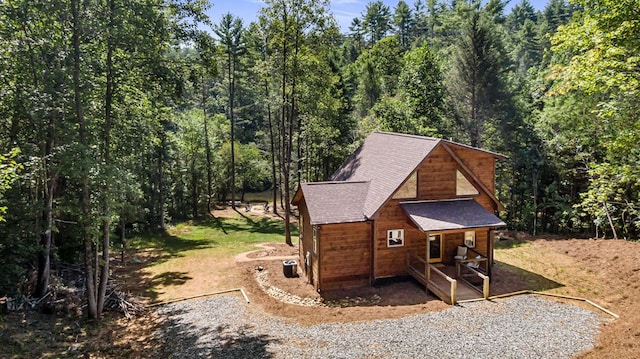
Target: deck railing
[[464, 270], [482, 261], [453, 284], [426, 273], [417, 266]]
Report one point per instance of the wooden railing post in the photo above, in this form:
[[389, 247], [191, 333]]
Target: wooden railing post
[[485, 287], [454, 290]]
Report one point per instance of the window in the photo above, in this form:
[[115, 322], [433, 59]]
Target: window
[[315, 239], [435, 248], [463, 186], [395, 238], [470, 239], [409, 189]]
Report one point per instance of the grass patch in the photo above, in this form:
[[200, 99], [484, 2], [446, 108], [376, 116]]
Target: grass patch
[[194, 257], [510, 243], [219, 236]]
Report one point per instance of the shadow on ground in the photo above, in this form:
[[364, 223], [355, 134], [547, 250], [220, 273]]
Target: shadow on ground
[[263, 225], [183, 339], [507, 279]]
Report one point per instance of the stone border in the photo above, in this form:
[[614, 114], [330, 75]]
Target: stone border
[[244, 257]]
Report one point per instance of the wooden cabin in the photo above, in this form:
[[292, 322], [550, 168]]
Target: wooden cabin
[[403, 205]]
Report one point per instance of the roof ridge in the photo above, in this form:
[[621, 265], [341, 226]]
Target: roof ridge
[[408, 135], [495, 154], [335, 182], [437, 200]]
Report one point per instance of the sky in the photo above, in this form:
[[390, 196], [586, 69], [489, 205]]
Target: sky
[[343, 10]]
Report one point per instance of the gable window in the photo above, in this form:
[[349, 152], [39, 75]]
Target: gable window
[[409, 189], [463, 186], [470, 239], [395, 238]]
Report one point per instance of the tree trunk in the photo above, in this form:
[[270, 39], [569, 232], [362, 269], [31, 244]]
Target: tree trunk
[[44, 259], [92, 309], [274, 173], [123, 239], [194, 188], [207, 147], [286, 135], [106, 162], [231, 78], [163, 145]]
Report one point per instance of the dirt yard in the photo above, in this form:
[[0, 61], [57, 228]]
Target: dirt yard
[[604, 271]]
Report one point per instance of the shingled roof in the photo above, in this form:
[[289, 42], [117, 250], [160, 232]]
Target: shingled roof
[[384, 161], [449, 214], [335, 202]]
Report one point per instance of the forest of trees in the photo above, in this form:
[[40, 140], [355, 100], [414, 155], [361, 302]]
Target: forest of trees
[[118, 115]]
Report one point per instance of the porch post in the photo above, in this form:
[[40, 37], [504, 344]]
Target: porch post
[[427, 257], [490, 245]]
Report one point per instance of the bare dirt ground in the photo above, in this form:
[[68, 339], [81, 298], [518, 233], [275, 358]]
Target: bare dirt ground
[[604, 271]]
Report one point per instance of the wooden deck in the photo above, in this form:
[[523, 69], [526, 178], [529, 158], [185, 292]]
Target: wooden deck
[[443, 282]]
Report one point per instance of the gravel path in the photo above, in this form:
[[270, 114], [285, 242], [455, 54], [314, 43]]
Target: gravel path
[[520, 327]]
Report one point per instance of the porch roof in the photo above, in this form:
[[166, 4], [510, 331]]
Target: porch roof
[[450, 214]]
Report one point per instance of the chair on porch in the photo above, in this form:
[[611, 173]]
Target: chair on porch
[[461, 254]]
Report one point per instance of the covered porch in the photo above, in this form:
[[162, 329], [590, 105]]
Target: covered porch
[[456, 265], [452, 284]]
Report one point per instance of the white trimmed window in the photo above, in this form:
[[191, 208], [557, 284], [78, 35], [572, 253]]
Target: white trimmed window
[[395, 238], [470, 239]]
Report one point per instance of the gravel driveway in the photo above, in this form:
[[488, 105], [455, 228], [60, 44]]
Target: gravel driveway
[[520, 327]]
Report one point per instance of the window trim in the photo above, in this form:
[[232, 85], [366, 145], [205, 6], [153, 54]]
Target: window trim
[[470, 239], [440, 237], [399, 237]]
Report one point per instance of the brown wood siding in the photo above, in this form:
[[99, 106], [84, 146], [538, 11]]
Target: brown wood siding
[[392, 261], [345, 259], [306, 245], [481, 164], [437, 175]]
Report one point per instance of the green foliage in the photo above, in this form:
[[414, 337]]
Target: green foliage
[[8, 173], [475, 82], [403, 21], [422, 89], [377, 71], [594, 69], [139, 113], [376, 21], [251, 169]]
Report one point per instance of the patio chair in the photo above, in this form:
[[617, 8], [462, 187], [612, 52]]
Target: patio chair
[[461, 254]]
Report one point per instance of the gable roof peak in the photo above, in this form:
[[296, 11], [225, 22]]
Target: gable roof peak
[[385, 160]]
